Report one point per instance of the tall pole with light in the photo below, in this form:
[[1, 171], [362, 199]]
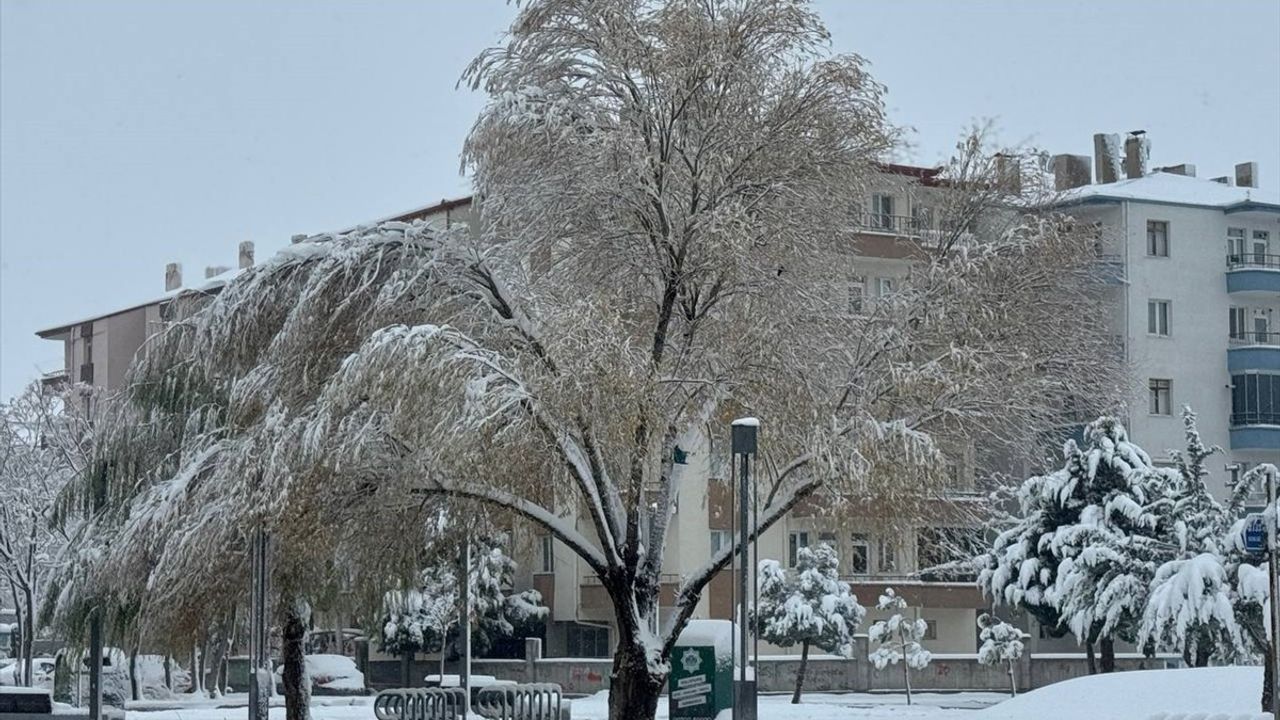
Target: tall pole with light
[[1274, 563], [745, 431]]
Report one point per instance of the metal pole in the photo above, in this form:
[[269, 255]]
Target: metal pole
[[744, 507], [1274, 658], [464, 675], [95, 666], [744, 445], [733, 573]]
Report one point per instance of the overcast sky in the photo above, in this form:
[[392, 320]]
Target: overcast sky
[[136, 133]]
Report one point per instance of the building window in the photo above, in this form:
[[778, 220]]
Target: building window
[[719, 539], [546, 554], [588, 641], [1158, 317], [931, 630], [882, 211], [1157, 238], [795, 541], [1160, 400], [1235, 320], [884, 287], [1235, 245], [857, 293], [888, 560], [1261, 248], [1255, 399], [859, 555]]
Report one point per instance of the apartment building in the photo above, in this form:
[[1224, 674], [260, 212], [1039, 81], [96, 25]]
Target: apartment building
[[1198, 302], [98, 350]]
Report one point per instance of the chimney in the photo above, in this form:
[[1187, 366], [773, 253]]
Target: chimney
[[1186, 169], [1137, 151], [298, 238], [1106, 157], [1009, 173], [1069, 171], [172, 276], [246, 254], [214, 270], [1247, 174], [1224, 180]]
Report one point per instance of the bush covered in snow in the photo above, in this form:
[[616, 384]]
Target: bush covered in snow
[[811, 606], [898, 639]]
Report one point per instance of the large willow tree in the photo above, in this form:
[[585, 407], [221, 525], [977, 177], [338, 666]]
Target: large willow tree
[[663, 239]]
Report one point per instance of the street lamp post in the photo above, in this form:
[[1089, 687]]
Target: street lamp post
[[1274, 656], [744, 446]]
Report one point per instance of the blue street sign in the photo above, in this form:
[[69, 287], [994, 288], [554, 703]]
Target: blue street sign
[[1255, 533]]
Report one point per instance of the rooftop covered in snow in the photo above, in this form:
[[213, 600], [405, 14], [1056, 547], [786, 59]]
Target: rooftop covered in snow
[[1172, 188]]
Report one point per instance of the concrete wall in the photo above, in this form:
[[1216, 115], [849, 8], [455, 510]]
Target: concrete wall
[[825, 673]]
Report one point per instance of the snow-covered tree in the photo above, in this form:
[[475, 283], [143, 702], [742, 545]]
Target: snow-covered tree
[[44, 442], [1001, 643], [811, 606], [898, 639], [1190, 608], [423, 618], [634, 272], [1087, 542]]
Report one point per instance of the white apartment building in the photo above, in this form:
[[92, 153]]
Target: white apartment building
[[1198, 301]]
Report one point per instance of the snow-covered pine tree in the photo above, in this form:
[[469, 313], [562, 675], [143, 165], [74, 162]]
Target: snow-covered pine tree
[[1190, 607], [1089, 540], [898, 639], [1001, 643], [809, 606], [424, 618]]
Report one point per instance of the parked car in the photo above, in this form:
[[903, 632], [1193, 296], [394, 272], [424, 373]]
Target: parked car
[[41, 673]]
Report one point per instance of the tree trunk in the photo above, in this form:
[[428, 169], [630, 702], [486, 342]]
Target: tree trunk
[[804, 662], [296, 684], [1203, 653], [168, 673], [217, 651], [1268, 680], [197, 671], [135, 690], [906, 678], [29, 635], [194, 686], [406, 669], [1108, 655], [1090, 658], [1013, 679], [633, 690]]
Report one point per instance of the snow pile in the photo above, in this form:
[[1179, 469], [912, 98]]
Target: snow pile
[[1139, 694], [331, 672], [719, 634]]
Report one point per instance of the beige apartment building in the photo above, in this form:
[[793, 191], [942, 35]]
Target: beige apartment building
[[893, 227]]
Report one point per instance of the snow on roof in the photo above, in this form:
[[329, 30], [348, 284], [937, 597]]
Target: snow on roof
[[205, 285], [1171, 188], [747, 422]]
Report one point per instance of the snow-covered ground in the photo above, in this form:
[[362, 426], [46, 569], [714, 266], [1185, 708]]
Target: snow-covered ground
[[1229, 692]]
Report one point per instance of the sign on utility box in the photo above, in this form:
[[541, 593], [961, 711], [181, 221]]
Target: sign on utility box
[[701, 680], [1254, 533]]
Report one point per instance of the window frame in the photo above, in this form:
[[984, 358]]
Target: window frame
[[793, 548], [546, 554], [860, 541], [1156, 242], [886, 548], [1154, 308], [1154, 387]]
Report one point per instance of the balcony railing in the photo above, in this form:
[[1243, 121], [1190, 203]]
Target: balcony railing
[[1254, 338], [1253, 260], [1256, 417], [884, 222]]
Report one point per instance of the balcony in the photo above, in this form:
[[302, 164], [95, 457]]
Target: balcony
[[907, 226], [1255, 431], [1253, 273], [1253, 351]]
